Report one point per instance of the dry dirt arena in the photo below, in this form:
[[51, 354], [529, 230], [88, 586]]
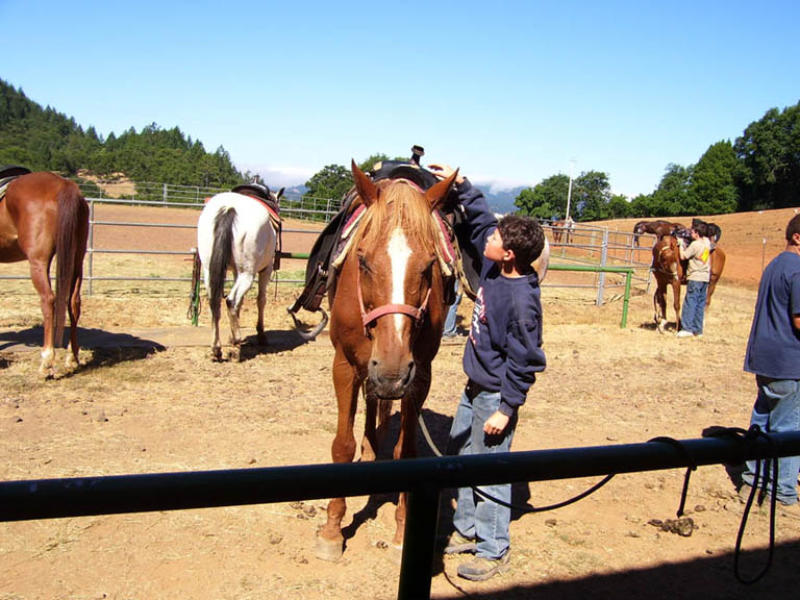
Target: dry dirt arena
[[136, 407]]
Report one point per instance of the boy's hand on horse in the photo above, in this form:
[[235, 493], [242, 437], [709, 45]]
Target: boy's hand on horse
[[496, 423], [443, 171]]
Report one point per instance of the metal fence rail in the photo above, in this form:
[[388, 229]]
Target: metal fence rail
[[583, 245], [423, 478]]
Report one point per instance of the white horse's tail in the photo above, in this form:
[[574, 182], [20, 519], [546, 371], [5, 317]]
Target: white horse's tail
[[221, 253]]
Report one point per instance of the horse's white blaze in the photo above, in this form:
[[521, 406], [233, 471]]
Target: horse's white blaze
[[399, 253]]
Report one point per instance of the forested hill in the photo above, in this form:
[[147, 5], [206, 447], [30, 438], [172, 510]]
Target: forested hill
[[43, 139]]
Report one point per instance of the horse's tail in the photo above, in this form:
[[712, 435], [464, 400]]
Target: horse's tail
[[73, 223], [221, 253]]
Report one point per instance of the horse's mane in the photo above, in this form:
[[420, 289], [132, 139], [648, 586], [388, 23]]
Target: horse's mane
[[401, 204]]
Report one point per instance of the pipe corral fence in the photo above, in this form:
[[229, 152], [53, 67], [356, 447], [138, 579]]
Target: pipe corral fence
[[612, 257], [423, 479]]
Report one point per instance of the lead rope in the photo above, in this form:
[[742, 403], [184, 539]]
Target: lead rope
[[749, 435], [522, 508]]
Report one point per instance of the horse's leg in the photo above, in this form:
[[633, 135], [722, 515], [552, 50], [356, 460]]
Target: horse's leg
[[711, 285], [263, 280], [244, 280], [346, 381], [406, 446], [74, 310], [660, 305], [376, 425], [676, 301], [40, 278], [214, 307]]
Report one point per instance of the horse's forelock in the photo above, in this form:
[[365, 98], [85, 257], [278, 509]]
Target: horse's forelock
[[401, 205]]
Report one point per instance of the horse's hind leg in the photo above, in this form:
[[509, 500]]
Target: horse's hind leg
[[263, 280], [216, 345], [74, 310], [234, 303], [41, 281]]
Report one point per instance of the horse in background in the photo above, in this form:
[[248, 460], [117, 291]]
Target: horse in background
[[387, 313], [237, 231], [43, 216], [668, 271], [657, 228], [562, 229]]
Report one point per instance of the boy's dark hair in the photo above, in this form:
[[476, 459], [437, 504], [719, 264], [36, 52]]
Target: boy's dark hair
[[792, 228], [524, 236]]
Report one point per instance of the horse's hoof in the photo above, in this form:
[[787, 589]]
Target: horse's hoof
[[330, 550], [396, 553], [216, 354]]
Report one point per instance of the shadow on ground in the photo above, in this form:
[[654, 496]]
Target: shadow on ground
[[710, 578]]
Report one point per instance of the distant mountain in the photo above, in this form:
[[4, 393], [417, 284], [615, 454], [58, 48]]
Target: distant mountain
[[501, 201], [296, 191]]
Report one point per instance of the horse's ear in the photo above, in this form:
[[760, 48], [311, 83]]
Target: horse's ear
[[437, 193], [279, 195], [365, 187]]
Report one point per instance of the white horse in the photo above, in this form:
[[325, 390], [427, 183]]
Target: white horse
[[235, 231]]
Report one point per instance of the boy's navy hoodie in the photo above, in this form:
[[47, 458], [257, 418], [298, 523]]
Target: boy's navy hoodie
[[504, 350]]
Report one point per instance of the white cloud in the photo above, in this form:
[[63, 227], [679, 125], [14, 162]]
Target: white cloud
[[276, 176]]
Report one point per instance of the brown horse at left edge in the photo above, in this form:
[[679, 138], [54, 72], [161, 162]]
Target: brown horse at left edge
[[44, 216]]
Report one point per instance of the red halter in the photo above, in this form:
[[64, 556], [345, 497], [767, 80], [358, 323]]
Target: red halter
[[367, 318]]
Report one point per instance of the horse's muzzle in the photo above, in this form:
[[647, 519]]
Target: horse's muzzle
[[390, 384]]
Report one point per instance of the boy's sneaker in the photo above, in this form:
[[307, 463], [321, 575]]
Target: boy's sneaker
[[684, 333], [480, 568], [458, 544]]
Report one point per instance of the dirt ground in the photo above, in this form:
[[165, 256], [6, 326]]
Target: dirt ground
[[151, 407]]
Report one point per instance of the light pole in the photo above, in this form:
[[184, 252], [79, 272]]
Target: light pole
[[569, 189]]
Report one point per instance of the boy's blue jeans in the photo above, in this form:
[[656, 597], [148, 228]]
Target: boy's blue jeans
[[475, 517], [694, 306], [777, 409]]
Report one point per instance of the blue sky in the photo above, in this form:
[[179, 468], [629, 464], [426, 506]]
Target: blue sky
[[512, 92]]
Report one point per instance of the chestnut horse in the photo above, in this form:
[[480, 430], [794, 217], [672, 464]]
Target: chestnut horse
[[717, 266], [387, 313], [668, 271], [658, 228], [561, 227], [44, 215]]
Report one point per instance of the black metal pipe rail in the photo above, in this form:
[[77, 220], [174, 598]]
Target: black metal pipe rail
[[424, 478]]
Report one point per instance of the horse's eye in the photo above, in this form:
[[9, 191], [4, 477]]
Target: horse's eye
[[363, 265]]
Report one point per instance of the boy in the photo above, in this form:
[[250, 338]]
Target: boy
[[502, 356]]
